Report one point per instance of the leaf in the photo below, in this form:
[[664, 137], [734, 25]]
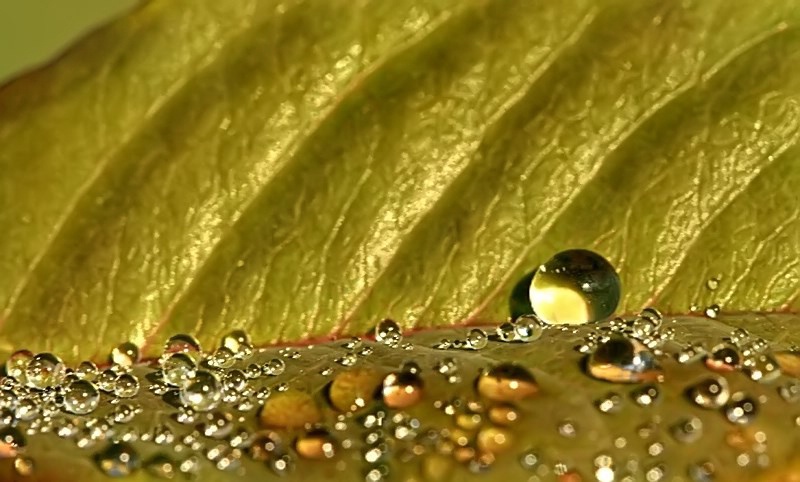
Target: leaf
[[637, 431], [304, 168]]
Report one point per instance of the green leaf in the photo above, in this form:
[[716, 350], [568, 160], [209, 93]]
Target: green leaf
[[304, 168]]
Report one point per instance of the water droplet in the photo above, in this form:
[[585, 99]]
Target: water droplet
[[702, 471], [609, 403], [17, 363], [266, 445], [106, 380], [274, 367], [507, 382], [687, 430], [316, 443], [622, 360], [223, 357], [238, 342], [604, 468], [411, 367], [182, 343], [494, 440], [203, 393], [235, 380], [125, 354], [503, 415], [477, 339], [290, 409], [402, 390], [161, 466], [712, 311], [44, 370], [388, 332], [573, 287], [506, 332], [528, 328], [218, 425], [691, 353], [723, 358], [710, 393], [790, 391], [741, 409], [529, 460], [645, 326], [81, 397], [126, 386], [11, 442], [567, 428], [178, 369], [124, 413], [645, 396], [119, 459], [23, 466], [712, 283], [740, 336], [87, 370], [351, 390], [761, 368]]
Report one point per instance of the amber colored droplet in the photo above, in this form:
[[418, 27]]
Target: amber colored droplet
[[316, 444], [402, 389], [351, 390], [463, 454], [789, 363], [266, 445], [494, 440], [723, 359], [460, 437], [504, 415], [507, 382], [624, 360], [468, 421], [436, 468], [290, 409]]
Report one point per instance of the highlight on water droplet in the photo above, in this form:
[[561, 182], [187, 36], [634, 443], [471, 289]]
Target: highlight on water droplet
[[388, 333], [81, 397], [402, 389], [118, 459], [203, 393], [623, 360], [574, 287], [507, 382], [44, 370], [125, 354], [316, 443], [709, 393]]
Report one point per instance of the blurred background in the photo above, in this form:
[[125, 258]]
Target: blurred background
[[34, 31]]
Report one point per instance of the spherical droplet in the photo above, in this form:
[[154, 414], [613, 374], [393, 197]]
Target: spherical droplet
[[609, 403], [645, 396], [402, 389], [44, 370], [178, 369], [494, 440], [218, 425], [238, 342], [266, 445], [290, 409], [235, 380], [573, 287], [687, 430], [17, 363], [161, 466], [352, 389], [528, 328], [710, 393], [723, 358], [118, 459], [11, 442], [126, 386], [389, 333], [182, 343], [316, 443], [477, 339], [23, 466], [81, 397], [125, 354], [622, 360], [741, 409], [203, 393], [87, 370], [274, 367], [761, 368], [507, 382]]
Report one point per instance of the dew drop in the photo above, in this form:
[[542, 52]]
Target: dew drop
[[477, 339], [125, 354], [761, 368], [239, 343], [316, 443], [203, 393], [687, 430], [218, 425], [691, 353], [723, 358], [712, 311], [645, 326], [235, 380], [12, 441], [388, 333], [609, 403], [266, 445], [622, 360], [17, 363], [574, 287], [126, 386], [23, 466], [507, 382], [81, 397], [529, 460], [790, 391], [710, 393], [528, 328], [223, 357], [274, 367], [161, 466], [712, 283], [741, 409], [740, 336], [352, 389], [182, 343], [44, 370], [87, 370], [118, 459], [178, 369], [106, 380], [567, 428], [402, 390], [645, 396]]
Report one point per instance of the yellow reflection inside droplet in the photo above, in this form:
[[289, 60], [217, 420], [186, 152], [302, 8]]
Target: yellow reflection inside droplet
[[558, 305]]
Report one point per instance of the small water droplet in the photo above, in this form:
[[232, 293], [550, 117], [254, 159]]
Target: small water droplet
[[506, 332], [161, 466], [81, 397], [477, 339], [645, 396], [274, 367], [741, 409], [609, 403], [704, 471], [218, 425], [203, 393], [622, 360], [761, 368], [507, 382], [402, 389], [740, 336], [17, 363], [574, 287], [494, 440], [645, 326], [712, 311], [710, 393], [691, 353], [567, 428], [316, 443], [118, 459], [529, 460], [12, 441], [528, 328], [238, 342], [723, 358], [126, 386], [712, 283], [44, 370], [125, 354], [388, 333], [23, 465], [106, 380], [87, 370], [178, 369], [223, 357], [687, 430], [235, 380], [182, 343]]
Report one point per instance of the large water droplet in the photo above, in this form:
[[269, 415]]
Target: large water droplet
[[81, 397], [622, 360], [182, 343], [723, 358], [573, 287], [125, 354], [477, 339], [203, 393], [710, 393], [761, 368], [178, 369], [507, 382], [161, 466], [126, 386], [741, 409], [119, 459], [17, 363], [44, 370], [389, 333], [238, 342], [402, 390], [11, 442]]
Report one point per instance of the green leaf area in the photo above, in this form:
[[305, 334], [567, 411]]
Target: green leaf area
[[301, 169]]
